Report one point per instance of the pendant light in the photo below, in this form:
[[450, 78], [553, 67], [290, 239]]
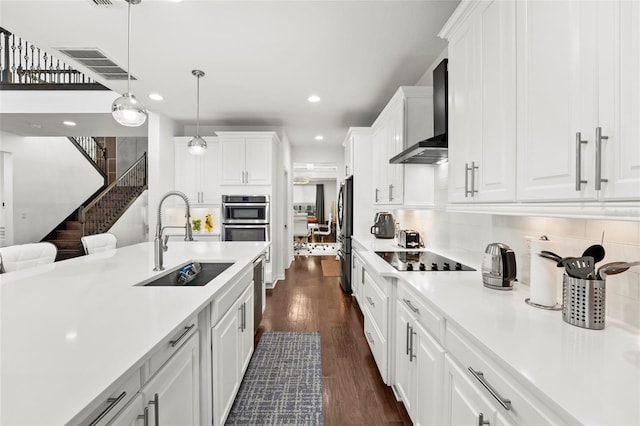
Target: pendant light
[[197, 145], [127, 110]]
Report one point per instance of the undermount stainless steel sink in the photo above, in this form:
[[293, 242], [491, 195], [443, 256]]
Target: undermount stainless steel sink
[[186, 276]]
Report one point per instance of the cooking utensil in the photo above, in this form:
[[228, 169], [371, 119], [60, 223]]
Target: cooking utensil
[[596, 251], [549, 257], [551, 254], [615, 268], [579, 267]]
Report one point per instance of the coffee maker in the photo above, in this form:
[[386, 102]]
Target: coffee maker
[[384, 225], [499, 267]]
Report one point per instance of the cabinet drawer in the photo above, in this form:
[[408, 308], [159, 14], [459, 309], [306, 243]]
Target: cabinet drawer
[[524, 407], [227, 298], [115, 401], [378, 345], [171, 345], [375, 301], [424, 314]]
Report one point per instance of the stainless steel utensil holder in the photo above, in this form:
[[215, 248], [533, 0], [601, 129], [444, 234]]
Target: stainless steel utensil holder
[[583, 302]]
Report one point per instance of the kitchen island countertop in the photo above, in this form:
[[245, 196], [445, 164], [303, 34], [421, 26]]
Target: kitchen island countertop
[[70, 329], [588, 376]]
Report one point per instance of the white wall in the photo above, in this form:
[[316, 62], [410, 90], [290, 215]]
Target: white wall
[[6, 197], [427, 77], [473, 232], [132, 227], [51, 179]]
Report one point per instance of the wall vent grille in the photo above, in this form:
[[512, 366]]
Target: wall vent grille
[[102, 2], [97, 62]]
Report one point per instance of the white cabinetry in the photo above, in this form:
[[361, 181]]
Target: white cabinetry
[[198, 176], [358, 147], [247, 157], [556, 99], [482, 100], [357, 276], [419, 360], [232, 340], [406, 120], [375, 309]]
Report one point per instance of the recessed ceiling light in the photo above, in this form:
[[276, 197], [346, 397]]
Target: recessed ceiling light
[[310, 166], [319, 137], [69, 123], [314, 98], [156, 97]]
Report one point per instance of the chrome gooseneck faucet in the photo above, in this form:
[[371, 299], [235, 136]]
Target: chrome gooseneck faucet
[[160, 244]]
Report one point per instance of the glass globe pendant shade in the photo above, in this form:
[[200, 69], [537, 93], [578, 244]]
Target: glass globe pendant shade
[[129, 111], [197, 146]]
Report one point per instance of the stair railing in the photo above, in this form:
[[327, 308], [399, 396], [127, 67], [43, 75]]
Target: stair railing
[[105, 209], [22, 63], [93, 151]]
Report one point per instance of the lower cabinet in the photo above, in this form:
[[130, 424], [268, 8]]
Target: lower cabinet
[[374, 303], [419, 361], [357, 276], [172, 395], [232, 340]]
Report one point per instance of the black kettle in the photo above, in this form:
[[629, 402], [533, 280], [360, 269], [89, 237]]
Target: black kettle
[[499, 267], [384, 226]]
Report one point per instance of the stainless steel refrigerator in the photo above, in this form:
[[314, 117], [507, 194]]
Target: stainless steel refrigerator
[[345, 223]]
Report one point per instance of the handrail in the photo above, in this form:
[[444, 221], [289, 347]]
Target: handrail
[[22, 63], [135, 178], [93, 151]]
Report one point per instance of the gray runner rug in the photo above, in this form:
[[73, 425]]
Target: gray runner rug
[[283, 383]]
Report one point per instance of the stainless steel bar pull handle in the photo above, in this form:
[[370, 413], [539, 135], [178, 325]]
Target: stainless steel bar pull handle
[[473, 178], [466, 180], [246, 174], [145, 417], [482, 421], [411, 354], [186, 331], [579, 143], [370, 301], [390, 192], [377, 194], [410, 305], [408, 336], [370, 338], [506, 403], [156, 408], [599, 139], [112, 403]]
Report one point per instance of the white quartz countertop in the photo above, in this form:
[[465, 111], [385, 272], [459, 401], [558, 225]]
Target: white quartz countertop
[[70, 329], [589, 376]]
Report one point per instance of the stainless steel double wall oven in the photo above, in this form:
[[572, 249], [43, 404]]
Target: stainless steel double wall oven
[[245, 218]]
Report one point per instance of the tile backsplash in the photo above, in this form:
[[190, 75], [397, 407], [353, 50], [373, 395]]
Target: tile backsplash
[[473, 231]]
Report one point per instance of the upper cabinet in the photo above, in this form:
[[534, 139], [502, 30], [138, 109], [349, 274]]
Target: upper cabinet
[[247, 157], [544, 105], [198, 176], [406, 120], [482, 101]]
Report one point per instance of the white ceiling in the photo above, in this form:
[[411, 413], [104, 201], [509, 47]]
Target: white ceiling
[[262, 59]]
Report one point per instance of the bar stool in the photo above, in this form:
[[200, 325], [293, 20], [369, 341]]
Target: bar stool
[[24, 256]]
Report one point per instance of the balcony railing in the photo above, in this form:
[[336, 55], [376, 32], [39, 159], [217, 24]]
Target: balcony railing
[[24, 65]]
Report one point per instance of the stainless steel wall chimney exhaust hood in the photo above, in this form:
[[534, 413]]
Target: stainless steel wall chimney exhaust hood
[[434, 149]]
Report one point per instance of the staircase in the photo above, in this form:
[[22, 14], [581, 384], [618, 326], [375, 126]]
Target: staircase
[[99, 215]]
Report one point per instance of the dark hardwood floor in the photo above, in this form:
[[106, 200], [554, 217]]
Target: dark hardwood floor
[[354, 393]]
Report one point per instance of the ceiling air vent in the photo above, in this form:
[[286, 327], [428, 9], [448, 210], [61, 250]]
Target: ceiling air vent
[[97, 62], [103, 2]]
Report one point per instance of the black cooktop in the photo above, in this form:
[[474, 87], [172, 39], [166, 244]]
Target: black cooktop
[[421, 261]]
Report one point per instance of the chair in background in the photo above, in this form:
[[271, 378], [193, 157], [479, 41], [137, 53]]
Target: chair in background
[[301, 233], [98, 242], [24, 256], [323, 231]]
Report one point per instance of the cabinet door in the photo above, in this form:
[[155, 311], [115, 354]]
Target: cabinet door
[[380, 161], [246, 331], [429, 377], [357, 278], [496, 173], [463, 403], [464, 110], [226, 364], [187, 171], [348, 157], [233, 161], [258, 161], [405, 370], [395, 145], [211, 174], [619, 97], [556, 99], [173, 394]]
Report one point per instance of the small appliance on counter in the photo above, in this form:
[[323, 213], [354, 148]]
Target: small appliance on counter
[[408, 238], [499, 267], [384, 226]]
